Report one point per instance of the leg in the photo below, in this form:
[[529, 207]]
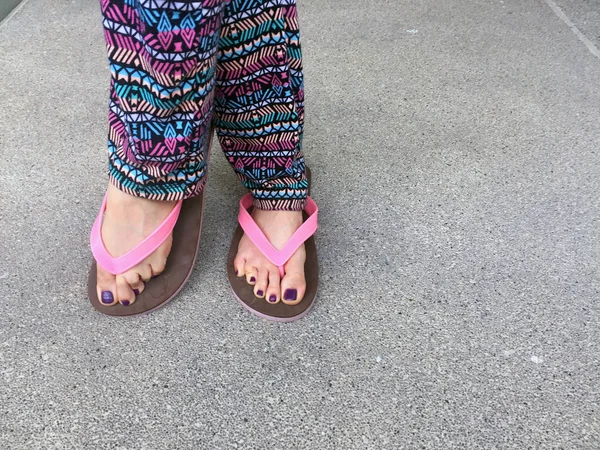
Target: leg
[[162, 61], [259, 116]]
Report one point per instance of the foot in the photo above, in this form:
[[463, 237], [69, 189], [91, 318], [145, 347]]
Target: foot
[[128, 220], [251, 263]]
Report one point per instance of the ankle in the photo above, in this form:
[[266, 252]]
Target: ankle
[[268, 217], [280, 214], [121, 200]]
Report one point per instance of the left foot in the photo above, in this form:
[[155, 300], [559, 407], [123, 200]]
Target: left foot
[[250, 262]]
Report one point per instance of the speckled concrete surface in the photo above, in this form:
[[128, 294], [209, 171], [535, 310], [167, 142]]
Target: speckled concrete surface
[[585, 15], [454, 147]]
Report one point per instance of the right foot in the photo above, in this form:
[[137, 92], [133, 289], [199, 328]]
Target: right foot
[[128, 220]]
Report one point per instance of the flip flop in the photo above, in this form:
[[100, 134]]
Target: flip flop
[[185, 221], [244, 293]]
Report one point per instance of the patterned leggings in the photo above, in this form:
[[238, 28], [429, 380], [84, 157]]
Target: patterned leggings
[[178, 66]]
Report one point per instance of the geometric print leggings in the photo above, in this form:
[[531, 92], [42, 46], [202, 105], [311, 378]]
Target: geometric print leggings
[[180, 68]]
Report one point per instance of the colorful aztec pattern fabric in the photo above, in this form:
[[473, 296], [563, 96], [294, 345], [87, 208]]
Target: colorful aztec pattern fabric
[[178, 66]]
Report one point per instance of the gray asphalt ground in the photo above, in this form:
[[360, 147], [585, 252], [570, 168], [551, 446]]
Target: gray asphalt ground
[[455, 155]]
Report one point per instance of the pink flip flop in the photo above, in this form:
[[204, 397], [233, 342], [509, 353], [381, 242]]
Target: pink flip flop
[[185, 221], [244, 292]]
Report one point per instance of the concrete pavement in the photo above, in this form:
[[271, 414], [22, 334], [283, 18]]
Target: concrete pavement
[[455, 156]]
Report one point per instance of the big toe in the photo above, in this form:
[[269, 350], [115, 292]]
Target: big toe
[[293, 284], [106, 287]]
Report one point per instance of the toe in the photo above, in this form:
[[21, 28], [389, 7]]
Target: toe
[[273, 294], [239, 265], [262, 281], [158, 267], [125, 293], [138, 288], [106, 287], [251, 275], [135, 281], [293, 284], [143, 271]]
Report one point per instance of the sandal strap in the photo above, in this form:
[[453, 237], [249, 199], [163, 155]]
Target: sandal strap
[[302, 234], [140, 252]]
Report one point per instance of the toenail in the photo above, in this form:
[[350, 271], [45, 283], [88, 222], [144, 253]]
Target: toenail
[[290, 294], [236, 272], [136, 292], [252, 280], [259, 293], [107, 297], [273, 298], [125, 302]]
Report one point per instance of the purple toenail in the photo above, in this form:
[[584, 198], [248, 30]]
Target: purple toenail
[[290, 294], [107, 297], [125, 302], [259, 293], [136, 292], [236, 271], [252, 280], [273, 298]]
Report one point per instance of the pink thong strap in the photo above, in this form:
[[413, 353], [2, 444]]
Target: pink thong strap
[[278, 257], [144, 249]]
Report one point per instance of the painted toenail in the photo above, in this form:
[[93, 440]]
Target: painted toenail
[[107, 297], [236, 272], [136, 292], [273, 298], [125, 302], [259, 293], [252, 280], [290, 294]]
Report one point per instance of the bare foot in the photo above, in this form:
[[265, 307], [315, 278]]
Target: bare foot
[[278, 227], [128, 221]]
